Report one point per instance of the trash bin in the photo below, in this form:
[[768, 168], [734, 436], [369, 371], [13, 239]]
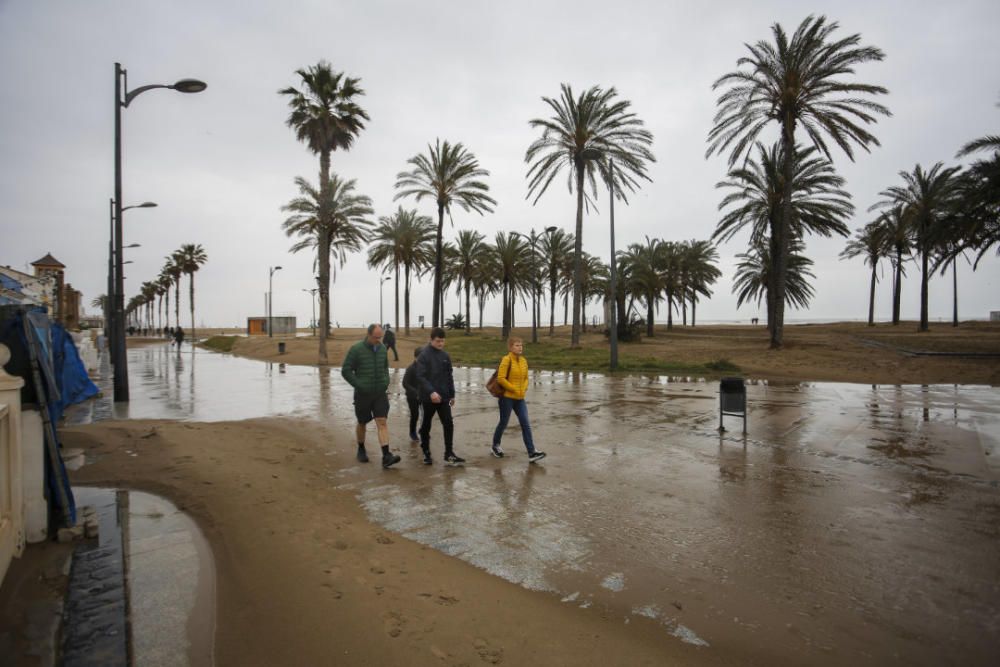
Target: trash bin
[[733, 400], [281, 348]]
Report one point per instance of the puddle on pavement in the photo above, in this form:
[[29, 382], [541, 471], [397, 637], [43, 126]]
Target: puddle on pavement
[[171, 576], [853, 522]]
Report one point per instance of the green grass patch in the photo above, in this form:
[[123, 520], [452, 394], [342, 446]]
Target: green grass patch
[[486, 351], [220, 343]]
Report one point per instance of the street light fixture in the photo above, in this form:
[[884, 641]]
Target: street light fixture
[[312, 302], [380, 284], [124, 97], [270, 283]]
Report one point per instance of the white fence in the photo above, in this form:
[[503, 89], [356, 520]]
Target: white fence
[[11, 470]]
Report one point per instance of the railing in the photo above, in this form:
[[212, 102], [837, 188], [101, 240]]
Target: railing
[[11, 473]]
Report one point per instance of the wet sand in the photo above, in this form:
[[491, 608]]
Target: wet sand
[[305, 578], [841, 352]]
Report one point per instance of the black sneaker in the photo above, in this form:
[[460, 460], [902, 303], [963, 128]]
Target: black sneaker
[[453, 459], [414, 438], [496, 451], [362, 454], [427, 457], [390, 459], [536, 456]]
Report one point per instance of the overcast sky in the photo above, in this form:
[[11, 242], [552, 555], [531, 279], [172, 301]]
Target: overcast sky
[[221, 164]]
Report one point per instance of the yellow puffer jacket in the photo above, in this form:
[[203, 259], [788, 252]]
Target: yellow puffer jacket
[[513, 376]]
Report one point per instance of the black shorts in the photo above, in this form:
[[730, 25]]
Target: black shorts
[[370, 406]]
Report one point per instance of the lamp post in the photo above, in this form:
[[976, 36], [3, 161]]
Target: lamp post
[[380, 284], [124, 97], [109, 300], [270, 284], [312, 302]]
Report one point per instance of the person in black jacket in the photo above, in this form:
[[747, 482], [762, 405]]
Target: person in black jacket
[[389, 340], [412, 390], [437, 395]]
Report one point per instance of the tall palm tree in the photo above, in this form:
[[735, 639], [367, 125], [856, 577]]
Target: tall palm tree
[[819, 205], [166, 282], [485, 281], [556, 250], [927, 199], [867, 242], [895, 234], [582, 135], [448, 174], [387, 247], [469, 248], [751, 278], [326, 117], [980, 197], [700, 259], [512, 258], [791, 83], [331, 220], [190, 258]]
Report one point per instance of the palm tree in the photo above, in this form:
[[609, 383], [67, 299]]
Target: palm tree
[[751, 279], [868, 242], [448, 174], [584, 133], [794, 83], [700, 258], [166, 282], [895, 234], [469, 248], [331, 220], [979, 194], [819, 205], [387, 245], [326, 117], [927, 198], [643, 264], [512, 259], [190, 257], [556, 250], [485, 282]]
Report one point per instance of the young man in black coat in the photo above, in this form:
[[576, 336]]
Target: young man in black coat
[[437, 396]]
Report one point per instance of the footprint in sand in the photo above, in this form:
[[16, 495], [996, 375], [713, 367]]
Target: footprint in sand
[[494, 656], [394, 622], [383, 539]]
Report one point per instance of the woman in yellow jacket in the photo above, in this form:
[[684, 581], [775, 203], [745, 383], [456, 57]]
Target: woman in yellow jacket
[[513, 377]]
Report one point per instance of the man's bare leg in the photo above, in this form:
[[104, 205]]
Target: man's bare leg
[[359, 430]]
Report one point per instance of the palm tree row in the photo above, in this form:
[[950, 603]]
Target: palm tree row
[[185, 260]]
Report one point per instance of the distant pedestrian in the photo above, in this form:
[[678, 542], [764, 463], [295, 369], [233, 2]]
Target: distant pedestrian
[[179, 335], [366, 368], [412, 390], [437, 396], [513, 377], [390, 341]]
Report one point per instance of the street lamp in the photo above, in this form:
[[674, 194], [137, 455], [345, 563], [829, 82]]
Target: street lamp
[[312, 302], [109, 300], [270, 284], [124, 97], [380, 284]]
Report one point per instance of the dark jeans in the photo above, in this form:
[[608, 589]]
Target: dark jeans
[[414, 404], [394, 353], [443, 411], [520, 408]]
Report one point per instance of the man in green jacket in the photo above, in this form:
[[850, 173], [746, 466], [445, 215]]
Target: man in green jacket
[[366, 368]]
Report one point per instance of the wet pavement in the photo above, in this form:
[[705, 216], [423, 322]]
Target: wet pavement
[[852, 523]]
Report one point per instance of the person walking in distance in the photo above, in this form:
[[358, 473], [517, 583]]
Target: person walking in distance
[[412, 390], [366, 368], [437, 396], [390, 341], [513, 377]]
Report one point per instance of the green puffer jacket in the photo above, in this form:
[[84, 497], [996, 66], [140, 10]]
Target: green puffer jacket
[[367, 369]]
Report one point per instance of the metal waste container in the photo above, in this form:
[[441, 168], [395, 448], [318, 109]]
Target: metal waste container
[[281, 348], [733, 400]]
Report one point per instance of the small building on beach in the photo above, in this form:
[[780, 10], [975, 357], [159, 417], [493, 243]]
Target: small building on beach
[[282, 325]]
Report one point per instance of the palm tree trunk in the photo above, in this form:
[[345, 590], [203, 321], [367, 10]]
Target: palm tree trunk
[[468, 310], [693, 303], [898, 287], [191, 297], [954, 293], [871, 300], [565, 308], [649, 315], [168, 306], [780, 234], [670, 310], [396, 290], [574, 341], [923, 284], [436, 310], [505, 322], [552, 304], [406, 297], [481, 298], [323, 255], [177, 300]]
